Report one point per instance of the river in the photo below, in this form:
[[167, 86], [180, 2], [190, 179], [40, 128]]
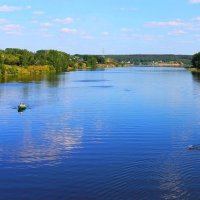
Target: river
[[119, 133]]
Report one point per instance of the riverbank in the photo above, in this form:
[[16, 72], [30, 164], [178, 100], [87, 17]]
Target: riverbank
[[193, 70], [38, 70]]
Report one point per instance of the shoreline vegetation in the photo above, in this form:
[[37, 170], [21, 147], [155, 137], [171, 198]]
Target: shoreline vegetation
[[21, 62], [195, 68]]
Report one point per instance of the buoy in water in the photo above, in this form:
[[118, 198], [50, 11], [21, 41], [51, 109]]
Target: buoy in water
[[22, 107]]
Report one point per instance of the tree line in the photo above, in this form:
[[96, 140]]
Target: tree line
[[15, 61], [150, 59], [21, 61]]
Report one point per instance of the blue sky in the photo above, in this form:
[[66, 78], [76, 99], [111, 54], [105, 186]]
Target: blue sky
[[88, 26]]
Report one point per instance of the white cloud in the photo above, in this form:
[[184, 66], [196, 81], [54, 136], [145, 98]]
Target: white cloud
[[142, 37], [194, 1], [6, 8], [105, 33], [2, 20], [12, 29], [88, 37], [34, 22], [125, 30], [67, 20], [197, 18], [197, 37], [46, 24], [165, 24], [68, 30], [39, 12], [176, 32]]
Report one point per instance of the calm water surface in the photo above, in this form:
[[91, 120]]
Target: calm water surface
[[99, 135]]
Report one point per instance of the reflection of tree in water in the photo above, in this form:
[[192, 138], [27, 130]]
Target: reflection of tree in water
[[52, 80], [24, 78], [196, 76], [26, 90]]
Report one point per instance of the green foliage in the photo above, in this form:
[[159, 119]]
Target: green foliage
[[21, 57], [21, 61], [196, 60], [91, 62], [86, 58], [59, 60], [143, 59]]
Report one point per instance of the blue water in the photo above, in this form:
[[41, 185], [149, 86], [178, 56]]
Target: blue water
[[99, 135]]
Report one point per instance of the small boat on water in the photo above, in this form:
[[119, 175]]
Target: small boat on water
[[22, 107]]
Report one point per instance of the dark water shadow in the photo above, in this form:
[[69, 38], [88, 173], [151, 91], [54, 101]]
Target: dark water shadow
[[102, 86], [91, 81], [196, 76], [127, 90]]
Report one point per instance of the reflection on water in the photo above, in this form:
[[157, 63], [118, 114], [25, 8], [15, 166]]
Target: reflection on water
[[113, 134], [102, 86], [51, 79], [54, 143], [91, 81], [196, 76]]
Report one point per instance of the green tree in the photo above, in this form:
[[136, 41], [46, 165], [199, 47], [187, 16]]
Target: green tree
[[91, 62], [2, 66], [59, 60], [196, 60]]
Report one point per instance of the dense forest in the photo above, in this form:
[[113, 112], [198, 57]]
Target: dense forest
[[148, 59]]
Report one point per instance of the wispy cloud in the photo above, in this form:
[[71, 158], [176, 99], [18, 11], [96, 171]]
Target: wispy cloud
[[46, 24], [39, 12], [176, 32], [195, 1], [197, 37], [165, 24], [12, 29], [197, 18], [126, 30], [2, 20], [6, 8], [68, 30], [67, 20], [178, 27], [105, 33], [142, 37]]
